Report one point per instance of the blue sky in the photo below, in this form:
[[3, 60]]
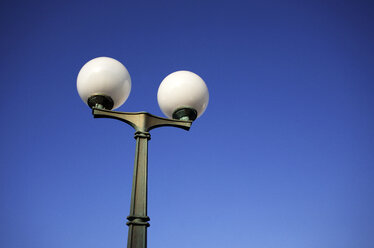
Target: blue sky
[[282, 157]]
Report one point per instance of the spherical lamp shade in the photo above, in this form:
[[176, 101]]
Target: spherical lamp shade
[[105, 81], [183, 91]]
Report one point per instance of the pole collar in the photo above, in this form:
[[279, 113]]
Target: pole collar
[[140, 134], [138, 220]]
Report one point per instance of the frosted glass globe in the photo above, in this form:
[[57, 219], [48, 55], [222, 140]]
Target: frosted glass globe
[[182, 89], [104, 76]]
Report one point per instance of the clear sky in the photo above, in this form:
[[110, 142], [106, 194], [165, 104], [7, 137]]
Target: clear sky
[[282, 157]]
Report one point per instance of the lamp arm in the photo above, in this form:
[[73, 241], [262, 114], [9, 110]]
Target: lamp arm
[[141, 121]]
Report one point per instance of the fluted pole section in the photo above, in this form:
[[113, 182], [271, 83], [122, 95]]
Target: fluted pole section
[[138, 218]]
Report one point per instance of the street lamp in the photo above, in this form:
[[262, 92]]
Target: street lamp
[[105, 84]]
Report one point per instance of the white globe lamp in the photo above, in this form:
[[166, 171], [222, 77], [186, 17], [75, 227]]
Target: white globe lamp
[[104, 82], [183, 95]]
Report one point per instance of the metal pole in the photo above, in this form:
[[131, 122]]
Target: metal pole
[[142, 122], [138, 219]]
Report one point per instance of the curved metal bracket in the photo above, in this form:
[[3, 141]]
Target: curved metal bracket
[[141, 121]]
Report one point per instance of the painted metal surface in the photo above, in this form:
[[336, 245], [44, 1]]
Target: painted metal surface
[[142, 122]]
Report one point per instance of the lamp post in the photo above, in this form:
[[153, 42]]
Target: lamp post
[[105, 84]]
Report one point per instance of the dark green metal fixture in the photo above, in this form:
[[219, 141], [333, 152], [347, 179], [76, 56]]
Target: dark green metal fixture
[[100, 101], [142, 122], [104, 84], [185, 114]]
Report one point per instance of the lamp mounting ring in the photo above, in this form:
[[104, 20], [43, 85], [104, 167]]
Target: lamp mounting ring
[[100, 101]]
